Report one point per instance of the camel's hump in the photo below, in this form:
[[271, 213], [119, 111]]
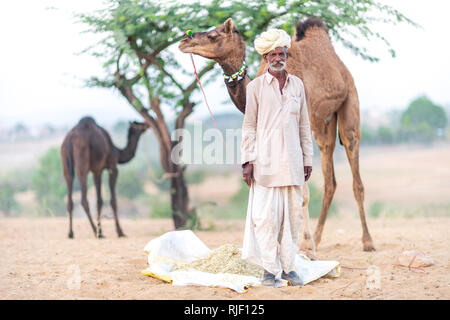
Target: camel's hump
[[87, 122], [302, 26]]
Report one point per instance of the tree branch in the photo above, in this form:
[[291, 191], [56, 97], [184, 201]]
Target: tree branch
[[165, 45], [191, 87], [188, 107], [161, 123], [175, 82], [157, 124]]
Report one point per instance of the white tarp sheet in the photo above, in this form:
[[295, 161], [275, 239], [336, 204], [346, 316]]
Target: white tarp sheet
[[185, 246]]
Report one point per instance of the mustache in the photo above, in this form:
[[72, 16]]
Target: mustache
[[277, 66]]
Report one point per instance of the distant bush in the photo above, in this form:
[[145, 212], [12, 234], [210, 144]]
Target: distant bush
[[48, 183], [238, 202], [376, 208], [195, 177], [19, 179], [236, 208], [160, 208], [385, 135], [7, 201], [315, 202], [367, 136], [241, 197], [129, 184], [423, 121]]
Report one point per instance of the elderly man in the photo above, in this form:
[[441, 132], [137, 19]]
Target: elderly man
[[276, 156]]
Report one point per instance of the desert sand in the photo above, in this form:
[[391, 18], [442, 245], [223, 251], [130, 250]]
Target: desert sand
[[38, 261]]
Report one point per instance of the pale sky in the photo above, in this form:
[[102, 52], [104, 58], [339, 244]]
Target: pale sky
[[40, 71]]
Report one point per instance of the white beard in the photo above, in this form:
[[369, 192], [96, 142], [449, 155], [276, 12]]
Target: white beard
[[277, 69]]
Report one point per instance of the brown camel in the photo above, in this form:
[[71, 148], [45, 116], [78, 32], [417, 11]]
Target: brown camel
[[88, 147], [331, 96]]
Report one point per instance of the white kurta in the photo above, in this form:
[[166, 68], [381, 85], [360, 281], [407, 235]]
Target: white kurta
[[276, 139], [276, 133], [272, 227]]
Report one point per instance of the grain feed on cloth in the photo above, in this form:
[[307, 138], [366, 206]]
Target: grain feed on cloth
[[181, 258]]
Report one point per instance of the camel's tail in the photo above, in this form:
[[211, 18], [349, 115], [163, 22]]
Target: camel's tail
[[337, 128], [302, 26]]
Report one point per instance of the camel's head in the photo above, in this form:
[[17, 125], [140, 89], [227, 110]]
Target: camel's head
[[217, 44], [137, 128]]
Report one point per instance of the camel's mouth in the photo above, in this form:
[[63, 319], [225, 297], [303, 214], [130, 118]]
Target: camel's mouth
[[195, 46], [186, 45], [139, 125]]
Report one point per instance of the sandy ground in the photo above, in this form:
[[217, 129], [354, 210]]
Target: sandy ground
[[38, 261]]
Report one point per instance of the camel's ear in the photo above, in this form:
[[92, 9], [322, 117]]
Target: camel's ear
[[228, 25]]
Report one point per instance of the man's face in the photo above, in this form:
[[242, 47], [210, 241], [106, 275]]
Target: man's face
[[276, 59]]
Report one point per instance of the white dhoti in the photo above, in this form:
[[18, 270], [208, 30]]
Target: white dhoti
[[272, 226]]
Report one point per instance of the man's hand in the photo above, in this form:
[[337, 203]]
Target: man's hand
[[247, 173], [308, 170]]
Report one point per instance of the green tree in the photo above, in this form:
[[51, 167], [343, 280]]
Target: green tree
[[423, 120], [315, 202], [129, 184], [385, 135], [7, 200], [48, 183], [138, 57], [367, 137]]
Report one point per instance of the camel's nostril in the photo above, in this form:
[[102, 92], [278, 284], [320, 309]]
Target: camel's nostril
[[185, 39]]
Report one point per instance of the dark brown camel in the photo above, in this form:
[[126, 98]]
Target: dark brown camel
[[88, 147]]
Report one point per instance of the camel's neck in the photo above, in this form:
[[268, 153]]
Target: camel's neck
[[129, 151], [232, 64], [236, 91]]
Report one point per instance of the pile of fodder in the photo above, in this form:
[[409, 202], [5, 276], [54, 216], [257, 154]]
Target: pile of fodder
[[225, 259]]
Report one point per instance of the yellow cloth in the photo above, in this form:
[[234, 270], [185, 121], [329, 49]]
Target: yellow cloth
[[276, 134], [272, 39]]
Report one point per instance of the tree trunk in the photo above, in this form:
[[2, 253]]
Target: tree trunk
[[179, 198]]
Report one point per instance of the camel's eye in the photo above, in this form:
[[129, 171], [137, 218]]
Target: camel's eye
[[212, 36]]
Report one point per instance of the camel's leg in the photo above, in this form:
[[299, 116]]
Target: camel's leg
[[69, 183], [305, 217], [98, 188], [308, 242], [113, 173], [350, 133], [81, 156], [84, 202], [68, 176], [326, 140]]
